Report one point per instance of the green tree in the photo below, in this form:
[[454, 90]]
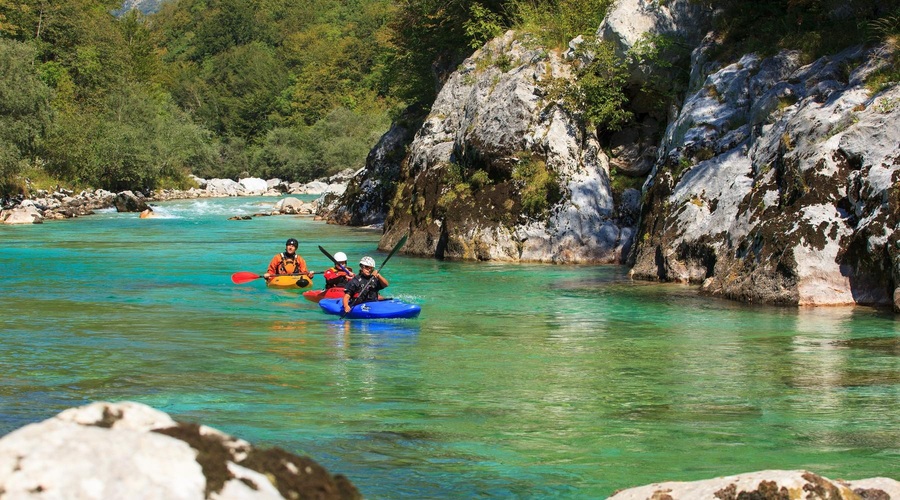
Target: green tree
[[24, 109]]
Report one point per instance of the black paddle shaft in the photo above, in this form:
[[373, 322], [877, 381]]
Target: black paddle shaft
[[332, 259]]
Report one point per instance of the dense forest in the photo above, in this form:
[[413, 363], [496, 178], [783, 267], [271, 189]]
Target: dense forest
[[92, 97]]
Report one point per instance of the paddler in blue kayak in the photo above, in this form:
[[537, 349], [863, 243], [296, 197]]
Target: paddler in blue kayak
[[288, 262], [364, 286], [340, 274]]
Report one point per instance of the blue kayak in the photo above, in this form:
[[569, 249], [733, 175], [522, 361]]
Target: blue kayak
[[382, 309]]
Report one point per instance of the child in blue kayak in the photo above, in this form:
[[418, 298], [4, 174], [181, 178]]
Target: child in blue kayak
[[364, 287]]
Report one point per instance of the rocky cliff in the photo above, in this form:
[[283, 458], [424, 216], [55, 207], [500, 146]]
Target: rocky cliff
[[779, 182], [500, 170], [771, 180]]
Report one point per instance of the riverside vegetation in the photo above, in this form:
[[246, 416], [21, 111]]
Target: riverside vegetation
[[229, 88]]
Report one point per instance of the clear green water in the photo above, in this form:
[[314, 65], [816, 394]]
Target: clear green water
[[518, 381]]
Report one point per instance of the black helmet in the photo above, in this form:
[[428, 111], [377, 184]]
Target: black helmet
[[292, 241]]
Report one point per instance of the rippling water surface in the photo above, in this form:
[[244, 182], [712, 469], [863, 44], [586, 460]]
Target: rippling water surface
[[524, 381]]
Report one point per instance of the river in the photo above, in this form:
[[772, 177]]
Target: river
[[517, 380]]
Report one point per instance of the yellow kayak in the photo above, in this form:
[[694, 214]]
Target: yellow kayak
[[290, 281]]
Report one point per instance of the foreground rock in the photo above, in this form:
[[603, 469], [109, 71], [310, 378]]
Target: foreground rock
[[129, 450], [128, 201], [767, 485]]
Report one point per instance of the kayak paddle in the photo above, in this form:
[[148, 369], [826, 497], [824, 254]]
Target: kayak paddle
[[332, 259], [399, 244], [242, 277]]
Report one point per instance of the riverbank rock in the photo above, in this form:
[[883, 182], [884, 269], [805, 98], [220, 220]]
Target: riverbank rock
[[21, 215], [779, 182], [767, 485], [129, 450], [293, 206], [127, 201], [254, 186]]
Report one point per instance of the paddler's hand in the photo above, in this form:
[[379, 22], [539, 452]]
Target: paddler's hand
[[267, 276], [310, 273]]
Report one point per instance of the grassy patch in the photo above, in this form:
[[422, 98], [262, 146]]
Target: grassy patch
[[538, 185]]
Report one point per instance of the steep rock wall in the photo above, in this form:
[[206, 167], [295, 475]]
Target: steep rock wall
[[467, 187], [780, 183]]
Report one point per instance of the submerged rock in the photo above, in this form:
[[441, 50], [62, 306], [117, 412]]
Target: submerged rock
[[129, 450]]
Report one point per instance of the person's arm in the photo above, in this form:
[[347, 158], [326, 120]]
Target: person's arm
[[303, 269], [349, 290], [273, 267], [382, 279]]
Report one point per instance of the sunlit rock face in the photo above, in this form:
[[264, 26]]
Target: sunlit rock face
[[129, 450], [779, 183], [500, 170]]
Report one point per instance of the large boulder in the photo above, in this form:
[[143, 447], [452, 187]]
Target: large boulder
[[128, 201], [501, 169], [254, 186], [223, 187], [629, 22], [779, 183], [27, 214], [129, 450], [290, 205], [764, 485]]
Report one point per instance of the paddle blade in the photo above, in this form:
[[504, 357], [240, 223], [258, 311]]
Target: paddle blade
[[394, 250], [243, 277]]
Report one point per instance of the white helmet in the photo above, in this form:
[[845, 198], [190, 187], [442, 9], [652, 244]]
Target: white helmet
[[367, 261], [340, 257]]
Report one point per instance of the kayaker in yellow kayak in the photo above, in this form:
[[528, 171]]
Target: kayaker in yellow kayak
[[340, 274], [288, 262]]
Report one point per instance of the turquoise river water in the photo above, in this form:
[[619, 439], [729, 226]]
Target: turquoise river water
[[517, 381]]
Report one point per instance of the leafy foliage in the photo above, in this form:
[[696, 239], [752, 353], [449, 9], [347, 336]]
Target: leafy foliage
[[224, 88], [24, 108], [555, 22], [539, 186]]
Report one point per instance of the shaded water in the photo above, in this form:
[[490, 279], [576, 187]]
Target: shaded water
[[516, 381]]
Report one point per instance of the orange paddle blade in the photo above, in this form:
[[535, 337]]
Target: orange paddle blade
[[243, 277]]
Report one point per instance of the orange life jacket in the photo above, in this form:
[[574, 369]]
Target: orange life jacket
[[288, 265]]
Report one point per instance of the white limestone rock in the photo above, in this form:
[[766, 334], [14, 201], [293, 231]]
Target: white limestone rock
[[129, 450], [777, 183], [223, 187], [26, 214], [766, 484], [254, 186]]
